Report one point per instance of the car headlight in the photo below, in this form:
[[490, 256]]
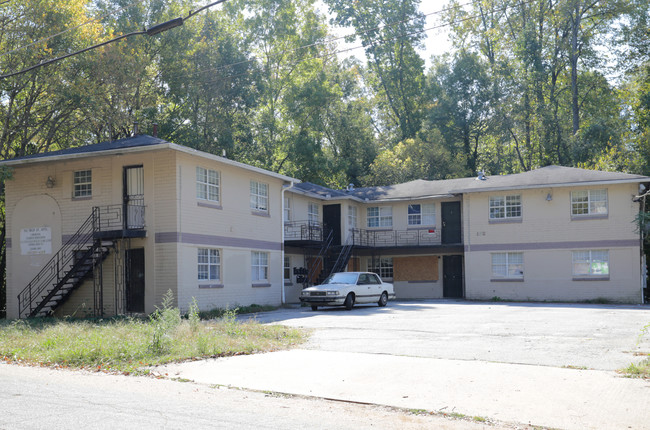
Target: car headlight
[[332, 293], [305, 293]]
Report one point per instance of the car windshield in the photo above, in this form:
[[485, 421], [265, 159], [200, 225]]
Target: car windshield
[[341, 278]]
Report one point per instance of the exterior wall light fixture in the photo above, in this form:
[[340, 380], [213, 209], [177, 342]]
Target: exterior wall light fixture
[[50, 182]]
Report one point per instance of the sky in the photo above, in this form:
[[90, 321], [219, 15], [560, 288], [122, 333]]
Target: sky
[[436, 43]]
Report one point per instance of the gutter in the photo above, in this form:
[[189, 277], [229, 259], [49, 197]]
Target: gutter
[[285, 187]]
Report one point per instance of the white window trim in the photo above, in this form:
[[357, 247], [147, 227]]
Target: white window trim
[[352, 217], [381, 216], [589, 213], [259, 201], [313, 213], [590, 261], [210, 264], [287, 209], [287, 259], [505, 206], [382, 265], [208, 186], [77, 193], [423, 215], [257, 267], [508, 275]]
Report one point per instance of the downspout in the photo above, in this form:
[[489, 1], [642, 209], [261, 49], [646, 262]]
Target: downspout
[[285, 187], [643, 260]]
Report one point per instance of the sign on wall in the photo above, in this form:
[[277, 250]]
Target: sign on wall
[[36, 241]]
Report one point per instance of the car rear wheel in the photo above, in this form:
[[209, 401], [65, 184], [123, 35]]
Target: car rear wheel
[[314, 307], [383, 299], [349, 301]]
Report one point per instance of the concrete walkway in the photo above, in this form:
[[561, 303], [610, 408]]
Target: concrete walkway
[[538, 395]]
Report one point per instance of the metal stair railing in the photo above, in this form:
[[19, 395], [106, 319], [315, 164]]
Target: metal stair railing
[[327, 242], [343, 257], [60, 266]]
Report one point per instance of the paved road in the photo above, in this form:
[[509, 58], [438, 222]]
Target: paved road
[[39, 398]]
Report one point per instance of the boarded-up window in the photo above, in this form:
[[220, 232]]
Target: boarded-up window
[[422, 268]]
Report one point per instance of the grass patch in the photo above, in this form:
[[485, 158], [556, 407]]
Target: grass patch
[[240, 310], [641, 370], [130, 345]]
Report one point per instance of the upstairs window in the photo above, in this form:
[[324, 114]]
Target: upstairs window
[[312, 213], [422, 214], [505, 207], [207, 184], [259, 196], [82, 182], [379, 216], [589, 202], [287, 209], [352, 217]]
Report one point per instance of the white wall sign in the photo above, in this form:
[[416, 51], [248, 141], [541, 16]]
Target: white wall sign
[[36, 241]]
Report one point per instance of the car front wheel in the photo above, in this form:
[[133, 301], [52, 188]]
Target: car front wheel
[[349, 301], [383, 299]]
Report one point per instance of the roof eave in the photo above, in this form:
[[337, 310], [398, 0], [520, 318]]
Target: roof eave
[[553, 185]]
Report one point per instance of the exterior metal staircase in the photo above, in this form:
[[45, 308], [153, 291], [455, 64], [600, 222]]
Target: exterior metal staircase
[[75, 262], [316, 265]]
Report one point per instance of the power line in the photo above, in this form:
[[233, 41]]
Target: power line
[[150, 32]]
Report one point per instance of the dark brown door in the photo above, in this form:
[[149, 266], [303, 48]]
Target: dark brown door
[[450, 222], [135, 280], [452, 276]]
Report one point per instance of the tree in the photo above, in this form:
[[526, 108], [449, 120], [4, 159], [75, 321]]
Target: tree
[[390, 32]]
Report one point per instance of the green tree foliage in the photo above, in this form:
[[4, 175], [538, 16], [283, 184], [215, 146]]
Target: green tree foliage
[[390, 32]]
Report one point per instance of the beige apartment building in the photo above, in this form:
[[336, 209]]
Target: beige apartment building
[[109, 228]]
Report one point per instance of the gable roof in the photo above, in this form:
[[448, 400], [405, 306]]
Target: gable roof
[[141, 142], [545, 177]]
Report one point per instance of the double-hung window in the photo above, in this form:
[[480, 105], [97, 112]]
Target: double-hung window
[[207, 184], [259, 266], [508, 265], [589, 202], [422, 214], [379, 216], [352, 217], [287, 209], [505, 207], [209, 264], [381, 266], [83, 183], [591, 263], [287, 269], [259, 196], [312, 213]]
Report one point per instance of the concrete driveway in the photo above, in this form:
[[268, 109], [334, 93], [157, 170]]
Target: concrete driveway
[[547, 365], [560, 335]]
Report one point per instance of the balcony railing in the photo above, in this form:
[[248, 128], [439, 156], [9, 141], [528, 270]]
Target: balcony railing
[[303, 231], [121, 217], [386, 238]]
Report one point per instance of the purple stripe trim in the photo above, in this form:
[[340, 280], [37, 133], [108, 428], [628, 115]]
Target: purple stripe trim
[[210, 240], [66, 237], [617, 243], [8, 242]]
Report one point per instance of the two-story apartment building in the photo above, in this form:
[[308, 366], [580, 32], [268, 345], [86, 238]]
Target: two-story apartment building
[[110, 228], [555, 233]]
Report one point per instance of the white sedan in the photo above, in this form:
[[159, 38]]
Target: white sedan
[[348, 288]]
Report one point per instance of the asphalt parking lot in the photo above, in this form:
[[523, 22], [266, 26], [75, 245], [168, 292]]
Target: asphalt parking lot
[[524, 365], [562, 335]]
